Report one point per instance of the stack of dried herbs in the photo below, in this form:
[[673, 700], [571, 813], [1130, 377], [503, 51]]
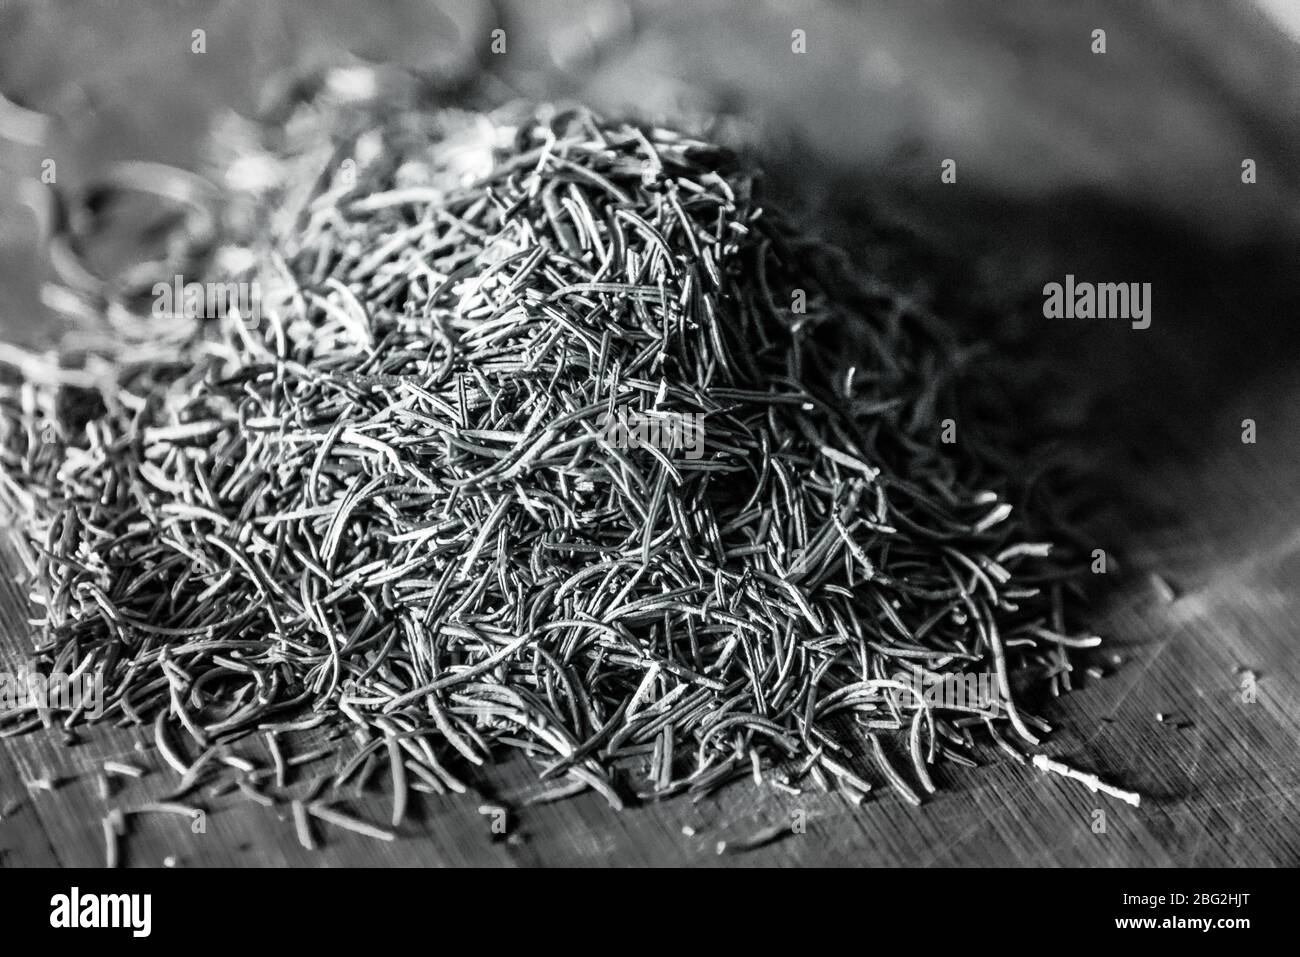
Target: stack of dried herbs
[[386, 499]]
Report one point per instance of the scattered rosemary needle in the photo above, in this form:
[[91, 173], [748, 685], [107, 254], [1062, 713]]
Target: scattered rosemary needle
[[114, 827], [1091, 781], [122, 769], [349, 823], [302, 825], [166, 807], [110, 844], [759, 838]]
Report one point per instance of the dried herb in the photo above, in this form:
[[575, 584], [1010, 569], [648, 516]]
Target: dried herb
[[389, 499]]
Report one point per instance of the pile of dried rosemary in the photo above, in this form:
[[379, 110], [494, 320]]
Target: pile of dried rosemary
[[539, 438]]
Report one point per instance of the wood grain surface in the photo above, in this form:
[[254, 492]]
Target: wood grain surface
[[1155, 415]]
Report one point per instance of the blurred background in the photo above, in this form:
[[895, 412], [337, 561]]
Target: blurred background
[[1123, 165]]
